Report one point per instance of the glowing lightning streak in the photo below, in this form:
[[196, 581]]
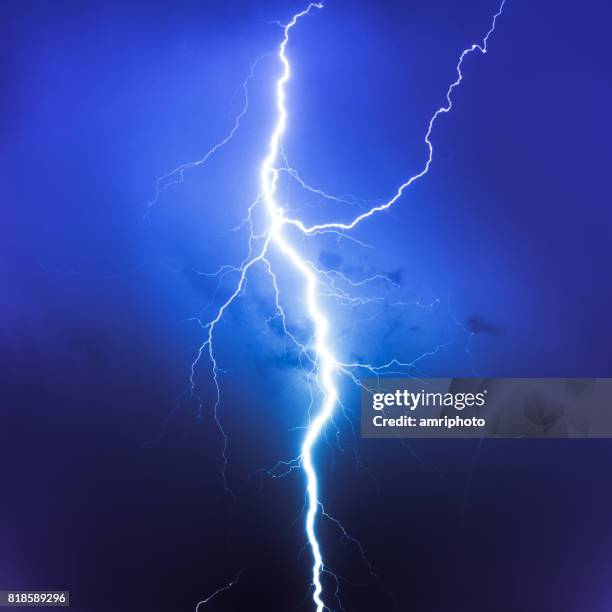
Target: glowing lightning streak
[[227, 587], [441, 111], [327, 366], [326, 362], [178, 174]]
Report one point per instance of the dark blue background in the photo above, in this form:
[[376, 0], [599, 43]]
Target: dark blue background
[[511, 230]]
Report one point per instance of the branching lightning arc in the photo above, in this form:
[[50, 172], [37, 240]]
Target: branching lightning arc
[[319, 349]]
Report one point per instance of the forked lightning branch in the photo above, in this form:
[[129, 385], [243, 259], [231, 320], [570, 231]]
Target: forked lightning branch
[[319, 349]]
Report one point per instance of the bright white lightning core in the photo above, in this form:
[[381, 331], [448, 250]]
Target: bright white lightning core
[[325, 363], [325, 359]]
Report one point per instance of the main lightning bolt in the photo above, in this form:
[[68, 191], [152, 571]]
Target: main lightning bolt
[[319, 349], [326, 361]]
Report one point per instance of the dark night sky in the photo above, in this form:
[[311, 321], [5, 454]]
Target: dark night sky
[[511, 231]]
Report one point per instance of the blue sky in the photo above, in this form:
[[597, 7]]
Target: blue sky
[[508, 236]]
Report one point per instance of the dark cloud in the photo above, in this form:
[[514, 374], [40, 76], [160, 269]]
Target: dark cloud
[[329, 260], [396, 276], [394, 327], [478, 325], [354, 271], [282, 360]]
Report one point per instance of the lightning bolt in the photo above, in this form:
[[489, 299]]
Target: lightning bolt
[[220, 590], [326, 361], [326, 367], [482, 48]]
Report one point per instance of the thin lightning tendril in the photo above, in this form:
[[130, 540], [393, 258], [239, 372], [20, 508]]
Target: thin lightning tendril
[[441, 111], [227, 587], [177, 175], [325, 367]]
